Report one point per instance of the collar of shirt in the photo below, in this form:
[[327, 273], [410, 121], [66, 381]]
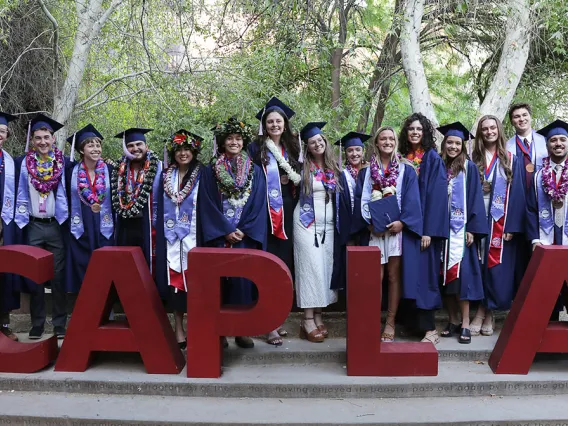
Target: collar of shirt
[[553, 164]]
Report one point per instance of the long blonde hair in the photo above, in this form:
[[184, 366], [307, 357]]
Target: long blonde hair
[[374, 149], [329, 161], [478, 155]]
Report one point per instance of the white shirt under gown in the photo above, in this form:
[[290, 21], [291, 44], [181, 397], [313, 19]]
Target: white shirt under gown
[[314, 265]]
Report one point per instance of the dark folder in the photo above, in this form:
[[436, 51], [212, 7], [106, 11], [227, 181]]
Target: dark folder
[[384, 212]]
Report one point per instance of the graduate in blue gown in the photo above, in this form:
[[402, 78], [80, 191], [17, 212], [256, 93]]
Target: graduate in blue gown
[[232, 206], [88, 190], [418, 148], [387, 177], [9, 284], [133, 181], [505, 207], [175, 206], [461, 275]]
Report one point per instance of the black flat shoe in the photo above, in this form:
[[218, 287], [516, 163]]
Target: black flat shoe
[[465, 336], [450, 330], [244, 342], [182, 345]]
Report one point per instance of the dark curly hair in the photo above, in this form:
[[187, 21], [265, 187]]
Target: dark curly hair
[[428, 136], [289, 140]]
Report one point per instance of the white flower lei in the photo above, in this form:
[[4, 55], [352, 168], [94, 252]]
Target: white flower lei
[[294, 177], [241, 201]]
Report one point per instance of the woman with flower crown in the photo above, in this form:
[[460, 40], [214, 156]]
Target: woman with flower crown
[[278, 152], [88, 188], [232, 207], [505, 208], [400, 244], [175, 206], [418, 148], [315, 233], [461, 272]]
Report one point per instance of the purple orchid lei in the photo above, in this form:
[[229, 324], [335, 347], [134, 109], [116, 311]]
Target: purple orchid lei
[[327, 177], [390, 175], [352, 171], [557, 192], [84, 185]]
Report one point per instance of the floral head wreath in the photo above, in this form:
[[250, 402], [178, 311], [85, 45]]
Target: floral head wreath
[[184, 138], [233, 126]]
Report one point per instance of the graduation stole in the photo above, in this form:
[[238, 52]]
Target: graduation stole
[[8, 203], [232, 213], [455, 245], [22, 216], [350, 187], [274, 195], [177, 225], [106, 223], [546, 213], [497, 210]]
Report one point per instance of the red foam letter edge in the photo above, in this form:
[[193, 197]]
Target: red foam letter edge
[[207, 320], [527, 330], [147, 330], [366, 355], [37, 265]]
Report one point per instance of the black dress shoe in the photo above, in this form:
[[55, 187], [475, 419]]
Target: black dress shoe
[[182, 345], [59, 332], [36, 333]]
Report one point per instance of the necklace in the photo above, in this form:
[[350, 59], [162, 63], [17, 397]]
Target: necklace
[[129, 195], [386, 181], [171, 187], [234, 184], [45, 174], [282, 162], [556, 191], [415, 158], [325, 176], [354, 172], [92, 194]]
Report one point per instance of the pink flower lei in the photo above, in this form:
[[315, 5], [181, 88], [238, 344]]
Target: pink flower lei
[[92, 192], [352, 171], [45, 175], [557, 192], [327, 177], [390, 175]]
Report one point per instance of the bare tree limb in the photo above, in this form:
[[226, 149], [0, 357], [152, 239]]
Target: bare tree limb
[[108, 83], [55, 43]]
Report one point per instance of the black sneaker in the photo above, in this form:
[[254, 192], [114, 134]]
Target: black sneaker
[[59, 331], [36, 333]]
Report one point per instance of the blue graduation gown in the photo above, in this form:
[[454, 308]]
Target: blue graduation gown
[[410, 216], [79, 251], [9, 283], [501, 281], [471, 283], [213, 227], [433, 187]]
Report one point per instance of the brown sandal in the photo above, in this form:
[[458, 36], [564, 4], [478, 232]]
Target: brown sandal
[[322, 328], [388, 337], [314, 336], [432, 337]]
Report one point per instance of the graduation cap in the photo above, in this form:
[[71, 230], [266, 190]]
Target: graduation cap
[[40, 121], [5, 118], [557, 127], [349, 140], [312, 129], [456, 129], [131, 135], [275, 104], [89, 131]]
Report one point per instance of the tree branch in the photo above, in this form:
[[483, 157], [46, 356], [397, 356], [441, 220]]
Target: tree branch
[[55, 42], [108, 83]]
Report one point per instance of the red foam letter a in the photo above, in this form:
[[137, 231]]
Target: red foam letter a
[[148, 330]]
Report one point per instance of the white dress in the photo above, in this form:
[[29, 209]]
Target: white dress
[[314, 265]]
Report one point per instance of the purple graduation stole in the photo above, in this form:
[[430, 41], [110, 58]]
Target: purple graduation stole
[[307, 213], [457, 203], [8, 202], [500, 192], [455, 245], [231, 213], [178, 226], [106, 223], [546, 212], [273, 184], [22, 216], [497, 211]]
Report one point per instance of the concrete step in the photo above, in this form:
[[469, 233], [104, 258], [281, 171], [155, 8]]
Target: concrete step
[[126, 376], [31, 408]]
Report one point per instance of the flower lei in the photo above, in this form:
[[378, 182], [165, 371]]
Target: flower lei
[[415, 158], [45, 174], [180, 139], [282, 162], [557, 192], [352, 171], [236, 186], [383, 185], [327, 177], [84, 185], [129, 204], [171, 188]]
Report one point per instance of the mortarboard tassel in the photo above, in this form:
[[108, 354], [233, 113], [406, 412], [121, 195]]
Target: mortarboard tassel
[[72, 153], [260, 131], [215, 144], [316, 240], [124, 149], [28, 137], [165, 157], [340, 157], [301, 155]]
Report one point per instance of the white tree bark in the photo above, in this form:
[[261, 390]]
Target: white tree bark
[[512, 63], [412, 60], [90, 18]]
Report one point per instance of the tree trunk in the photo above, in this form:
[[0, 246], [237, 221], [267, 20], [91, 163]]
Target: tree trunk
[[412, 60], [381, 107], [336, 57], [512, 63]]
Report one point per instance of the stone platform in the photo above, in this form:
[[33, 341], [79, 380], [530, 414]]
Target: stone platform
[[297, 383]]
